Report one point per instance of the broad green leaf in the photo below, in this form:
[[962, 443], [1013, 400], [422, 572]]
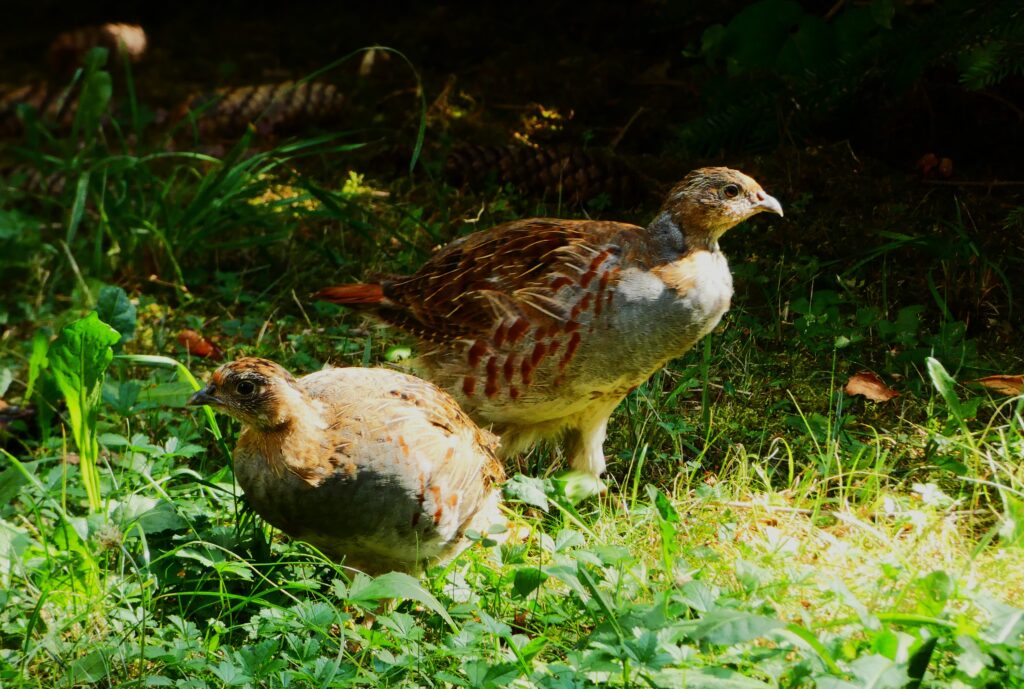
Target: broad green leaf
[[5, 380], [229, 674], [728, 627], [699, 595], [13, 544], [97, 89], [937, 588], [152, 515], [10, 482], [485, 673], [1007, 622], [834, 683], [91, 668], [878, 672], [78, 359], [578, 486], [526, 489], [972, 661], [702, 678], [398, 585], [527, 580], [115, 309]]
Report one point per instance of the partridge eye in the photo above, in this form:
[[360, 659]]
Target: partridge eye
[[730, 191], [245, 388]]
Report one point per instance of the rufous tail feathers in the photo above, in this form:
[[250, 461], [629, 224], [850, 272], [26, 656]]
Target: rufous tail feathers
[[358, 293]]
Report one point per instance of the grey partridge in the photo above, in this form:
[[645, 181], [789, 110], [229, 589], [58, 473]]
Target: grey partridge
[[541, 327], [373, 467]]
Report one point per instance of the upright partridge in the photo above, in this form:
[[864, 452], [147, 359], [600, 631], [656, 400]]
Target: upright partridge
[[372, 466], [541, 327]]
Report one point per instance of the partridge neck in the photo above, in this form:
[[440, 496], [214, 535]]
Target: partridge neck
[[671, 238]]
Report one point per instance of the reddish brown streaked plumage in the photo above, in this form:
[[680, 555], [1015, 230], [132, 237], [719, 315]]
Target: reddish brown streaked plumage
[[586, 310], [374, 467], [354, 294]]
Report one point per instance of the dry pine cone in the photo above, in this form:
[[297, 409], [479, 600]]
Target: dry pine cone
[[272, 108], [573, 176]]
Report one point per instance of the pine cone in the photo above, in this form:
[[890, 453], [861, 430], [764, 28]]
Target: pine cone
[[272, 108], [574, 175], [52, 105]]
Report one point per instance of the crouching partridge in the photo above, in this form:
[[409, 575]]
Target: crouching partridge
[[373, 467], [541, 327]]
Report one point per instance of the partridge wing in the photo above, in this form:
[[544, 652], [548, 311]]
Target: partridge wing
[[507, 276]]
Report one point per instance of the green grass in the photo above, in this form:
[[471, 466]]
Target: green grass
[[762, 528]]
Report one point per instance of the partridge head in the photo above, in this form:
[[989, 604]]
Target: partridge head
[[540, 327], [374, 467]]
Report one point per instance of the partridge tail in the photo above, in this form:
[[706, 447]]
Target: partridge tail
[[358, 293]]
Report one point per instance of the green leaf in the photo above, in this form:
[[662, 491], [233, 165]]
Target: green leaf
[[919, 662], [398, 585], [152, 515], [1007, 622], [1012, 529], [78, 359], [528, 580], [526, 489], [727, 627], [36, 361], [937, 588], [702, 678], [115, 308], [946, 386], [78, 207], [699, 595], [11, 482], [14, 542], [92, 667], [577, 486], [878, 672], [397, 353], [486, 673], [666, 510], [97, 89], [229, 674]]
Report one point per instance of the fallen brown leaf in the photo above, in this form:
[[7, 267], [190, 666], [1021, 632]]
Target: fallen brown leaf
[[197, 345], [1004, 385], [871, 386]]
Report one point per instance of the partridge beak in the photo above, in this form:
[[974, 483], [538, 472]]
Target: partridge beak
[[204, 396], [769, 204]]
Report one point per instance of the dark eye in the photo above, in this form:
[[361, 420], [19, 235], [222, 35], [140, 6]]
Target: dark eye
[[730, 191], [245, 388]]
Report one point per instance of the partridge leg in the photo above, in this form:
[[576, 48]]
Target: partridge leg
[[586, 452]]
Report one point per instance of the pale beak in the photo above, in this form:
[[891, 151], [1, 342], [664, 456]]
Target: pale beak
[[204, 396], [768, 204]]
